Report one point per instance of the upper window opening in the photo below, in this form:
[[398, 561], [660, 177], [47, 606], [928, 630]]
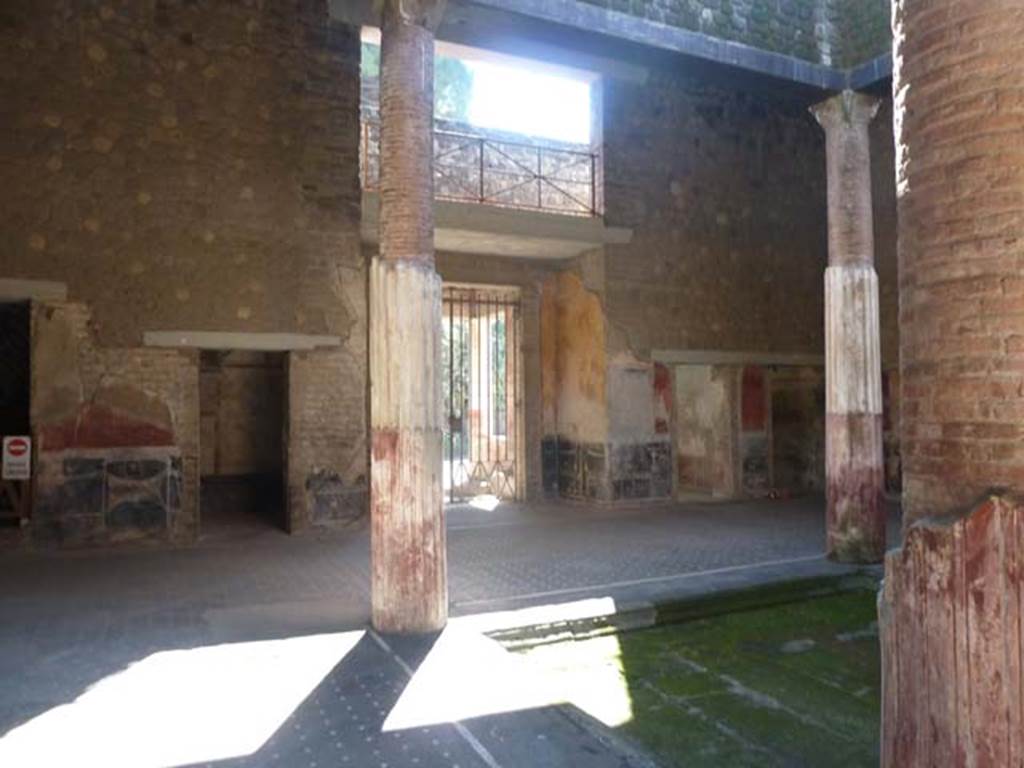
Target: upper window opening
[[499, 92]]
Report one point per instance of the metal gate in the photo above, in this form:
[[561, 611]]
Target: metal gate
[[480, 375]]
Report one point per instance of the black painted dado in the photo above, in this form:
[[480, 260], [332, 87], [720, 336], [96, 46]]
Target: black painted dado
[[102, 496], [608, 472], [583, 471], [332, 501], [549, 465], [641, 470]]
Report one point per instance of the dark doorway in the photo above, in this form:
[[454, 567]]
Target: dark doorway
[[241, 406], [15, 386], [798, 429]]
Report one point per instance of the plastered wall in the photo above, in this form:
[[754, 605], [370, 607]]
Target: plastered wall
[[724, 191], [116, 434]]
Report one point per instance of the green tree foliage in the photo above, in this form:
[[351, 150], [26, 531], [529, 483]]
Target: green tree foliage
[[370, 61], [453, 89], [453, 83]]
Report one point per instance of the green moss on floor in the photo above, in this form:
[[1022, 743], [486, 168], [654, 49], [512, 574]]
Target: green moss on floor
[[789, 685]]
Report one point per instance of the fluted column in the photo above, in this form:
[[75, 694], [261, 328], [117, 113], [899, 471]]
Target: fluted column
[[853, 378], [409, 561]]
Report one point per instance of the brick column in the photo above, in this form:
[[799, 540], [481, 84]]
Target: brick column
[[951, 610], [409, 573], [853, 401]]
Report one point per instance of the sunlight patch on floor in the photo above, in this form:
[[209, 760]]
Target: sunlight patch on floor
[[181, 707], [588, 675], [467, 676], [486, 502]]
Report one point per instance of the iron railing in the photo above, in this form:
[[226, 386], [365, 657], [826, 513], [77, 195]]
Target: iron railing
[[482, 169]]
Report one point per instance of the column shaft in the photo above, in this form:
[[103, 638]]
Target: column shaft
[[853, 420], [409, 568], [951, 613], [406, 138]]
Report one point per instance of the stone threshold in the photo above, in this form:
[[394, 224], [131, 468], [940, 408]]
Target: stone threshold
[[652, 602]]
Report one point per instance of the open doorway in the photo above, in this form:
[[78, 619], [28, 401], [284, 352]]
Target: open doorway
[[481, 384], [241, 406], [15, 385], [798, 430]]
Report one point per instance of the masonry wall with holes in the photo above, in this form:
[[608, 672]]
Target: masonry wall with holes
[[182, 167], [192, 167]]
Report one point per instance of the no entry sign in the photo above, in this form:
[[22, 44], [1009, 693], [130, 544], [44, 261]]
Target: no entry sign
[[17, 461]]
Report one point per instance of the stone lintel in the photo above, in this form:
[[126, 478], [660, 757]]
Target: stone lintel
[[729, 357], [32, 290], [258, 342], [870, 73]]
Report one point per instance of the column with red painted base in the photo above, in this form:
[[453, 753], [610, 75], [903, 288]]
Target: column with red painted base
[[853, 377], [408, 557]]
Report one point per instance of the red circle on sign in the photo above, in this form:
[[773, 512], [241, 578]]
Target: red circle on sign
[[17, 447]]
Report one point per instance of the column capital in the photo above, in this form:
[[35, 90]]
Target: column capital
[[846, 108], [421, 13]]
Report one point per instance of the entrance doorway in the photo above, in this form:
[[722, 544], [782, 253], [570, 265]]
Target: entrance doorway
[[15, 385], [241, 448], [798, 430], [481, 374]]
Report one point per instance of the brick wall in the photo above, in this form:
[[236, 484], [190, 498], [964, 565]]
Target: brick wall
[[840, 33], [327, 425], [725, 193], [862, 30], [960, 165], [182, 164]]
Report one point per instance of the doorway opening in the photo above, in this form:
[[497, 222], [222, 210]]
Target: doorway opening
[[241, 446], [481, 384], [15, 387], [798, 430]]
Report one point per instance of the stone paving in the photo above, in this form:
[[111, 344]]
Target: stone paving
[[180, 642]]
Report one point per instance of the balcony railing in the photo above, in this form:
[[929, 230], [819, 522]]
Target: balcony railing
[[481, 169]]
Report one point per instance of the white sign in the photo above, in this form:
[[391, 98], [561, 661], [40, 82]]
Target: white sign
[[17, 464]]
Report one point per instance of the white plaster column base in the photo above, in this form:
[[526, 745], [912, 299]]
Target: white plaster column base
[[853, 419], [409, 571]]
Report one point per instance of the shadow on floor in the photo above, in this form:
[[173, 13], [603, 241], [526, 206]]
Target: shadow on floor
[[315, 700]]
